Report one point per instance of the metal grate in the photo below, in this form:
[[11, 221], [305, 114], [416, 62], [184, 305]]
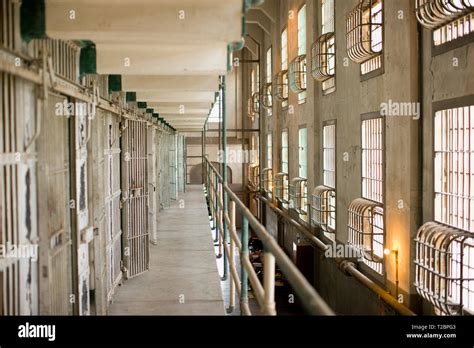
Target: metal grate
[[281, 87], [256, 104], [435, 13], [281, 188], [270, 150], [324, 57], [444, 268], [267, 178], [254, 176], [297, 74], [372, 159], [364, 33], [366, 231], [323, 210], [299, 195], [454, 155]]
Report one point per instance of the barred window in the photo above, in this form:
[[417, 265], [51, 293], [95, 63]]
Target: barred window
[[267, 177], [281, 189], [453, 173], [284, 49], [281, 87], [444, 268], [284, 151], [298, 196], [366, 231], [449, 19], [297, 77], [269, 150], [366, 215], [302, 153], [266, 93], [302, 30], [329, 155], [323, 50], [364, 34], [323, 210], [268, 66], [372, 159], [324, 196], [299, 64]]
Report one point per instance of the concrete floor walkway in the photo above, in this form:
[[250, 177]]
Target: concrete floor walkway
[[183, 277]]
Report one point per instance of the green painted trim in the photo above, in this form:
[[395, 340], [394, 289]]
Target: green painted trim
[[142, 105], [32, 20], [115, 83], [131, 96], [150, 111], [155, 114], [87, 58]]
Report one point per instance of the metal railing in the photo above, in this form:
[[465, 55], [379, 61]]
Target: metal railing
[[230, 243]]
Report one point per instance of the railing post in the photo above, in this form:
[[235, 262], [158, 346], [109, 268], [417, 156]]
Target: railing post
[[269, 283], [244, 254], [224, 172], [216, 206], [232, 257]]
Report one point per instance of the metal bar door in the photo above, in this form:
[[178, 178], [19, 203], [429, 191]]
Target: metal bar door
[[112, 205], [136, 247]]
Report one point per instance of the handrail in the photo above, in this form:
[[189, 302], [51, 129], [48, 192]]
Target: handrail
[[312, 302], [346, 266]]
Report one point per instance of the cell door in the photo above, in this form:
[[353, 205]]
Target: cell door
[[135, 240], [54, 212], [112, 205], [173, 163]]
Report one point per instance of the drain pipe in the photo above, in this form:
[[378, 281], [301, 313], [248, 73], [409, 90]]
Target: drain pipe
[[348, 267]]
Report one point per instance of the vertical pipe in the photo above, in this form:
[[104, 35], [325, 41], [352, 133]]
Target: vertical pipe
[[269, 283], [224, 171], [232, 257], [244, 254]]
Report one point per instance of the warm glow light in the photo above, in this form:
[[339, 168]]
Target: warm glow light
[[387, 251]]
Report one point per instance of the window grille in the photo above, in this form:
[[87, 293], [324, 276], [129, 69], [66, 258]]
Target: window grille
[[329, 155], [303, 152], [267, 177], [269, 150], [281, 87], [284, 151], [364, 34], [302, 31], [284, 49], [266, 96], [323, 210], [454, 30], [297, 74], [256, 104], [444, 268], [64, 55], [372, 159], [454, 154], [298, 195], [435, 13], [254, 176], [323, 57], [366, 231], [281, 188]]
